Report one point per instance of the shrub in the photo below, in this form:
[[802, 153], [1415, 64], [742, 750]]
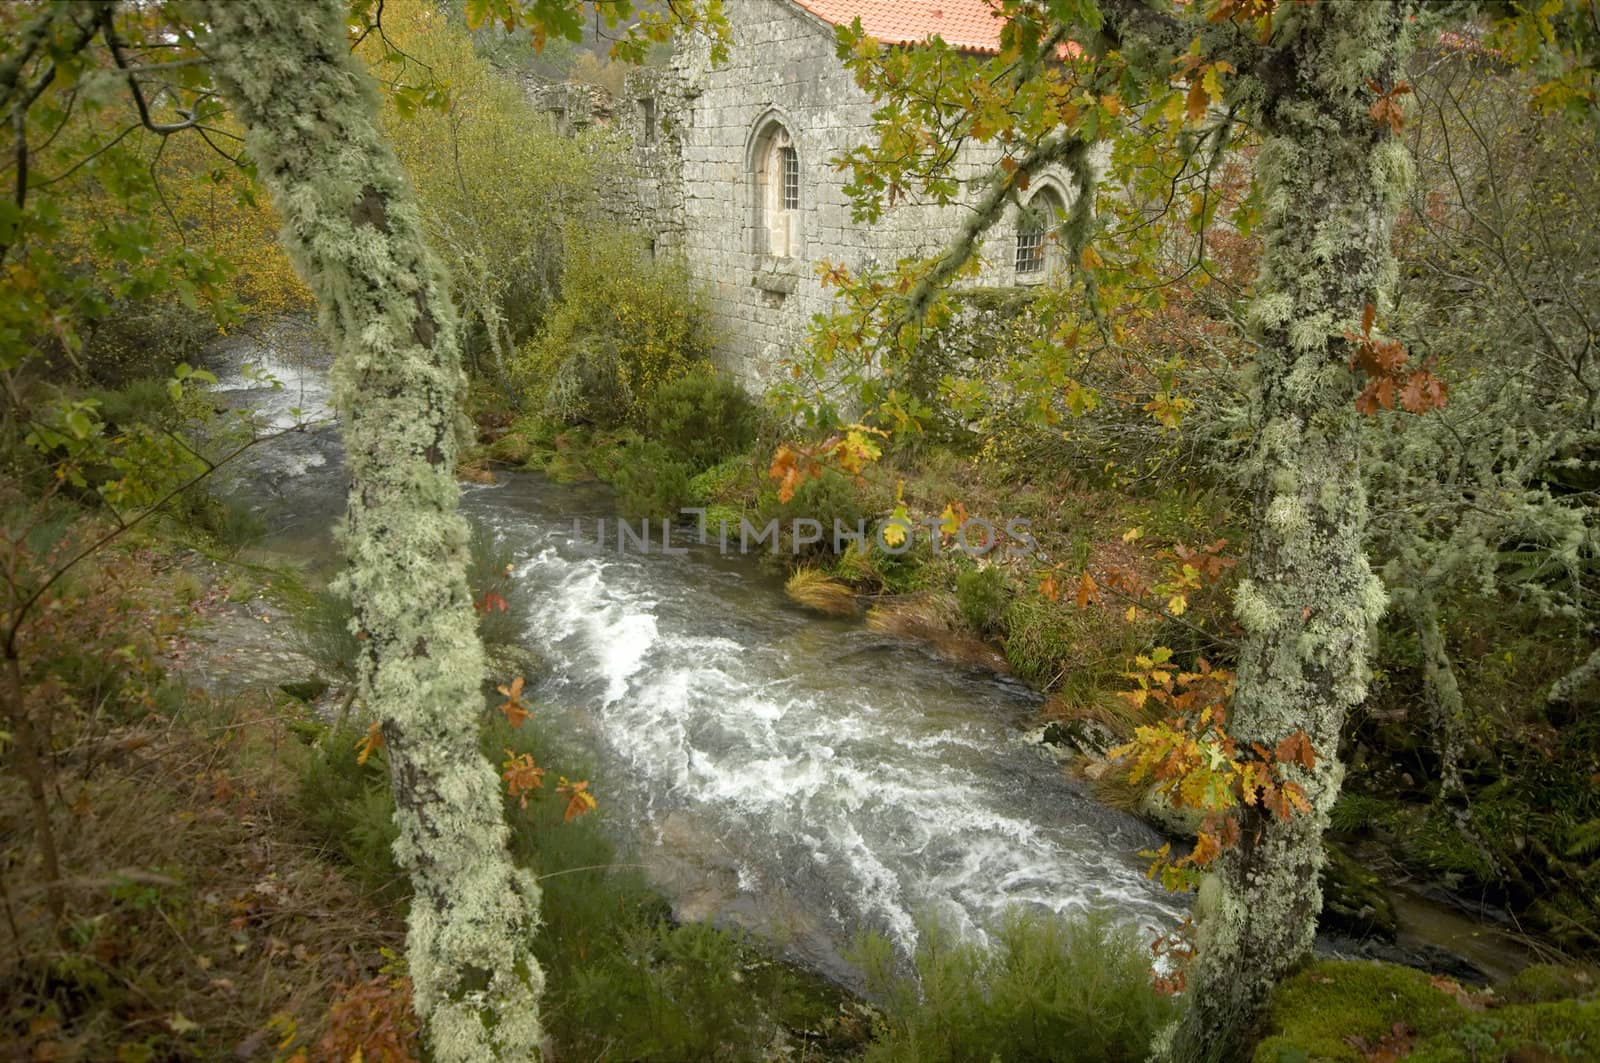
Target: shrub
[[625, 326], [983, 596], [827, 498], [1048, 988], [704, 417], [726, 482], [652, 482], [349, 808], [1039, 638]]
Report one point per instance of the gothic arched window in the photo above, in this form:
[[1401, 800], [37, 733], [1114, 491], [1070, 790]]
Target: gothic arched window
[[1036, 229], [777, 192]]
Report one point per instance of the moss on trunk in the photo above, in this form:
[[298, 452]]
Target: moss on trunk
[[1333, 180], [351, 225]]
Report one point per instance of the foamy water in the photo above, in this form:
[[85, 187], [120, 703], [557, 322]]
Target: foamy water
[[823, 778], [873, 782]]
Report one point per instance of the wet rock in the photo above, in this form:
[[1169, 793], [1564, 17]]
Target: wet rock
[[1354, 903], [307, 690], [507, 661], [1089, 738], [1430, 958], [690, 865], [1160, 813]]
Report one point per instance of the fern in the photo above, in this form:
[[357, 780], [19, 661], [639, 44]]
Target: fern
[[1584, 840]]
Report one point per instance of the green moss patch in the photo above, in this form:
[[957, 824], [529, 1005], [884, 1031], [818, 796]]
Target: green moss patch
[[1356, 1010]]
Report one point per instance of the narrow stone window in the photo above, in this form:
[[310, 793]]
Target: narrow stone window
[[1030, 246], [791, 179], [1036, 227], [647, 112], [776, 184]]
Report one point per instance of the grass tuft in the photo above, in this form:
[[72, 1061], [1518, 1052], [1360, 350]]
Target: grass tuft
[[813, 589]]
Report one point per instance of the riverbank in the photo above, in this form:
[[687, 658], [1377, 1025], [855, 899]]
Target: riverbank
[[1117, 566]]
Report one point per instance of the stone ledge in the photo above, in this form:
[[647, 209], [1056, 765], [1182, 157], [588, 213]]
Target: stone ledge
[[776, 275]]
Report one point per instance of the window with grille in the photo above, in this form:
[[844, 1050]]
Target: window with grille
[[1030, 247], [791, 178], [1036, 235]]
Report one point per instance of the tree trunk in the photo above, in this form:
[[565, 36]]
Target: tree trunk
[[1333, 180], [1446, 712], [351, 225], [33, 764]]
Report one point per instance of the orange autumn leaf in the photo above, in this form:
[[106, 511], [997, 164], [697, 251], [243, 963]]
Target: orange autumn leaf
[[370, 743], [1386, 109], [579, 799], [1207, 847], [513, 707], [1087, 591], [1296, 749], [522, 776], [785, 469]]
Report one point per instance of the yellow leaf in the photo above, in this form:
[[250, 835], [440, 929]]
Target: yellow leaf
[[895, 528], [1131, 614], [1131, 534], [1177, 604]]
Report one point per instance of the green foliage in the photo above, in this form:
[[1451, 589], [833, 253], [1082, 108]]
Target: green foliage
[[496, 181], [349, 809], [527, 440], [1329, 1010], [1040, 638], [502, 613], [704, 417], [1357, 811], [830, 497], [625, 325], [1050, 989], [323, 632], [728, 482], [984, 596], [653, 483]]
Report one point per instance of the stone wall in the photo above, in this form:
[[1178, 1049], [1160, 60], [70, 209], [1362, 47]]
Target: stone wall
[[693, 185]]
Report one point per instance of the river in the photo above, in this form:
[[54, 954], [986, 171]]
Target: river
[[802, 776]]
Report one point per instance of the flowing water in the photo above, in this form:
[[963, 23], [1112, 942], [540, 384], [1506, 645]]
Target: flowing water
[[803, 776]]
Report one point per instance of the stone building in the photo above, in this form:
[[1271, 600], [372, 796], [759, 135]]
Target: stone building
[[733, 167]]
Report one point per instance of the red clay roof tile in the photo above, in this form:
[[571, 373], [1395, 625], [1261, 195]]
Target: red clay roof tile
[[971, 25]]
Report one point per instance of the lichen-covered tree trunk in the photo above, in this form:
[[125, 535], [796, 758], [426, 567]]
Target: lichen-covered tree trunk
[[1333, 179], [352, 227]]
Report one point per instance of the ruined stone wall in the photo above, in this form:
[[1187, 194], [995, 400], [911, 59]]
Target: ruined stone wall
[[642, 128]]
